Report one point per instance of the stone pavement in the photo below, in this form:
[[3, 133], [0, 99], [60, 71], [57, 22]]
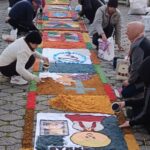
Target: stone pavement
[[13, 98]]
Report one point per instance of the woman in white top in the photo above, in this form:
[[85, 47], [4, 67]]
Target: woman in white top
[[19, 56]]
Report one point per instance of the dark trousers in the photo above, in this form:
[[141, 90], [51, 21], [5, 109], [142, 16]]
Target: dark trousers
[[141, 109], [108, 32], [21, 26], [10, 70], [132, 90], [136, 105]]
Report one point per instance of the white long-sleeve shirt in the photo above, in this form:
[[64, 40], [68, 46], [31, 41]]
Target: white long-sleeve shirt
[[20, 51]]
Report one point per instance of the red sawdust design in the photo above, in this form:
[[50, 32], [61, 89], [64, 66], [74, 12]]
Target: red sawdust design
[[110, 92], [31, 97]]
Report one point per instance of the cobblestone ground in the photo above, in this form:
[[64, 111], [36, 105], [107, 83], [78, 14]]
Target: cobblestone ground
[[13, 98]]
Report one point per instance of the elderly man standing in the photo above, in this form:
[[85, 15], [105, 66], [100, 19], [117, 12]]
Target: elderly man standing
[[139, 50], [107, 21]]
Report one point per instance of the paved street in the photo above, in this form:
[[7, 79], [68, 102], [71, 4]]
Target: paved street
[[13, 98]]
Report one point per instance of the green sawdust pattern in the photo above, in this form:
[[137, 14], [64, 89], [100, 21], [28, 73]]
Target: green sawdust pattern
[[101, 74], [89, 46], [32, 86], [39, 50]]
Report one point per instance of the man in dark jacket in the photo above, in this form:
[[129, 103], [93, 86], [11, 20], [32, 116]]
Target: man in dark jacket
[[89, 8], [140, 107], [22, 14], [139, 50]]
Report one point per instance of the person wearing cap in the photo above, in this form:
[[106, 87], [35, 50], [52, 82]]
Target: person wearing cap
[[106, 22], [19, 56], [139, 50], [89, 8], [140, 114], [22, 14]]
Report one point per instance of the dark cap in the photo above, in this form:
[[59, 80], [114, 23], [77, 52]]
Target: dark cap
[[33, 37], [112, 3]]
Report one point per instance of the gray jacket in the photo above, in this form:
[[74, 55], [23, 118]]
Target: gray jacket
[[101, 20]]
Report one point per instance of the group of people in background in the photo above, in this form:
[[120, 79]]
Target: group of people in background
[[105, 19]]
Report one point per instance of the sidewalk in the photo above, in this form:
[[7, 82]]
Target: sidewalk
[[13, 98]]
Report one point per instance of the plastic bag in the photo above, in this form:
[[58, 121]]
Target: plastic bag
[[106, 49]]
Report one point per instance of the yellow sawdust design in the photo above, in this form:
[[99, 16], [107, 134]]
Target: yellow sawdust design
[[82, 103]]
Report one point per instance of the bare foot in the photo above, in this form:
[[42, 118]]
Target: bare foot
[[125, 125]]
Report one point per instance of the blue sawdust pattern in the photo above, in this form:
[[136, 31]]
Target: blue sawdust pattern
[[70, 68], [49, 140], [114, 133]]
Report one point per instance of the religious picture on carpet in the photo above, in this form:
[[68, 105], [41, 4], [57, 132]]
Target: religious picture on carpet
[[75, 56], [66, 39], [56, 8], [85, 130], [71, 37], [88, 125], [65, 24], [59, 14], [58, 36], [54, 36], [61, 24], [53, 127]]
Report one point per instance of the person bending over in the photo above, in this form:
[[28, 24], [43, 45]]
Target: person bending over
[[106, 22], [22, 14], [19, 56]]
